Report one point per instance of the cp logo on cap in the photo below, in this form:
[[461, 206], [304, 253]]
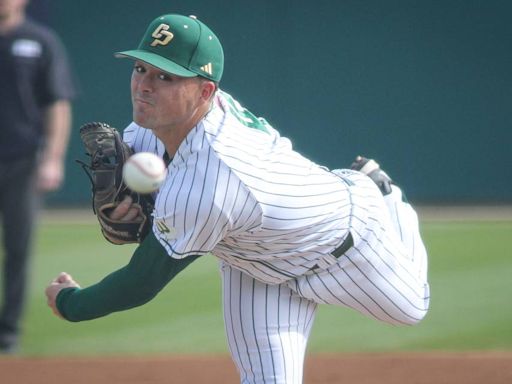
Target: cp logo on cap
[[161, 32]]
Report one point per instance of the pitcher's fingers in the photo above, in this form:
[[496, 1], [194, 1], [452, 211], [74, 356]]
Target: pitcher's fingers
[[122, 209], [131, 214], [63, 277]]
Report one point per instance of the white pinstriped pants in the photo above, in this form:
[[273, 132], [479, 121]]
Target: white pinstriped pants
[[384, 276]]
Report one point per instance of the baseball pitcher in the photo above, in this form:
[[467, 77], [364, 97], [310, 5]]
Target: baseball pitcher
[[289, 234]]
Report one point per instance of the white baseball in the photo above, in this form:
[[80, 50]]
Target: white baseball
[[144, 172]]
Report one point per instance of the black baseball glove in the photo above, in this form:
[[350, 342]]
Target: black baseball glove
[[108, 154]]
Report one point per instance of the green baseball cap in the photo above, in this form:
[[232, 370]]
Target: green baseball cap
[[181, 45]]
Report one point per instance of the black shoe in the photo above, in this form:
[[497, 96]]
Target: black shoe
[[372, 169], [8, 344]]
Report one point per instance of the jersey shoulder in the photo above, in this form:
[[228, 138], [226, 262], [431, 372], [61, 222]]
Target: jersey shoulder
[[141, 139]]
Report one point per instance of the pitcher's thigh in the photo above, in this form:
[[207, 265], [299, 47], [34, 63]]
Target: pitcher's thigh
[[267, 328], [378, 281]]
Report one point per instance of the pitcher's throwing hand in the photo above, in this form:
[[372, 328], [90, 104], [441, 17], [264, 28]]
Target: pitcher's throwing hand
[[64, 280]]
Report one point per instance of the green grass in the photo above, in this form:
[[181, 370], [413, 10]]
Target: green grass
[[471, 306]]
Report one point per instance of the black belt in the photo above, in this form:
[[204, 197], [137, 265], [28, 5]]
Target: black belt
[[344, 247]]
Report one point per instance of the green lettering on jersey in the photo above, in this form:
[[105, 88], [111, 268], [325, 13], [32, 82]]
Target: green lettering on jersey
[[244, 116]]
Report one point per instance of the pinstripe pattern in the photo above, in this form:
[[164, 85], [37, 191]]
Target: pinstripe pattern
[[246, 196], [380, 276], [273, 218], [267, 327], [142, 140]]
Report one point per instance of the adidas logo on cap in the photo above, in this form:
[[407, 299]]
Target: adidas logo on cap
[[207, 68]]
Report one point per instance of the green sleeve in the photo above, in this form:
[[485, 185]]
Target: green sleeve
[[147, 273]]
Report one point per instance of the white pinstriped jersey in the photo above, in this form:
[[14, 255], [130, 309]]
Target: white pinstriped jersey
[[237, 189]]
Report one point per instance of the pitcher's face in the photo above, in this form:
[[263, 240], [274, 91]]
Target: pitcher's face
[[161, 100]]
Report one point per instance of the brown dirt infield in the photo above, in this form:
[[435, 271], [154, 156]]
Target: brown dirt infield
[[413, 368]]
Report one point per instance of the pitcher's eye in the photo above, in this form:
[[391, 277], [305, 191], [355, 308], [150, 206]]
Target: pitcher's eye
[[164, 76]]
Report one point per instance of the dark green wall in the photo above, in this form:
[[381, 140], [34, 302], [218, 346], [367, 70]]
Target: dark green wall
[[425, 87]]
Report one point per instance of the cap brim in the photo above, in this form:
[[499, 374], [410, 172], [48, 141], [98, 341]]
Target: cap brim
[[156, 61]]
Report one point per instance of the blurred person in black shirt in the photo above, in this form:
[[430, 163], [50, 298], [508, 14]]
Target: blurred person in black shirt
[[35, 115]]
